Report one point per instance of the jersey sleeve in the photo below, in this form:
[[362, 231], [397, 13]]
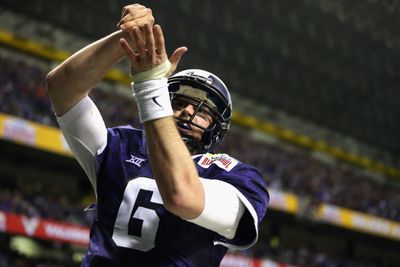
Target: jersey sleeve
[[123, 143], [220, 214], [250, 186]]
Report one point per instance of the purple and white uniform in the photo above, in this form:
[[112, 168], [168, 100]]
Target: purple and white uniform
[[131, 226]]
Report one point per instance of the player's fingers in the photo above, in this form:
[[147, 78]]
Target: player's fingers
[[150, 46], [133, 43], [159, 40], [132, 16], [138, 19], [177, 55], [131, 9], [128, 50], [131, 40], [138, 38], [175, 58], [130, 12], [139, 22]]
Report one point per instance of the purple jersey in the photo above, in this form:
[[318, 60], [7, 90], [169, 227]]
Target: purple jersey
[[132, 227]]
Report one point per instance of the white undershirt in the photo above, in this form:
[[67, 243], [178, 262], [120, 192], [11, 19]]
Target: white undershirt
[[86, 134]]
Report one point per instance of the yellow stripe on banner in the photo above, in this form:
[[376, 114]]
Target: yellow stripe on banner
[[31, 46], [313, 144], [50, 139], [50, 53], [24, 132], [118, 76], [2, 117], [292, 203], [346, 218], [358, 221], [283, 201]]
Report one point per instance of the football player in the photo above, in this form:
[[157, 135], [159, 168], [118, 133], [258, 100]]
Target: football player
[[162, 197]]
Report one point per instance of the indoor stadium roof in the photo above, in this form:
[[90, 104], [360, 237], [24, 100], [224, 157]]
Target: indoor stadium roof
[[332, 62]]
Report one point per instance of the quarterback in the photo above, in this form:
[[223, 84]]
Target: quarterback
[[162, 197]]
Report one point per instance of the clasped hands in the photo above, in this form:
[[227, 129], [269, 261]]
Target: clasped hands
[[146, 46]]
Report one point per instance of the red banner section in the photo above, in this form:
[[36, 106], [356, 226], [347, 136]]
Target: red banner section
[[76, 234], [231, 260], [44, 229]]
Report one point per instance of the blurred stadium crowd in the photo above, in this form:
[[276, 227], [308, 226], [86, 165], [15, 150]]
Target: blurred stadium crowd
[[23, 94], [296, 257], [12, 259]]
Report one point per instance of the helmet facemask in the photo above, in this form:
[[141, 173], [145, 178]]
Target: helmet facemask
[[202, 108], [208, 95]]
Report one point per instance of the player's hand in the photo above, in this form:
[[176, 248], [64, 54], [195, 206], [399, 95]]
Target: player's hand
[[135, 15], [150, 50], [175, 58]]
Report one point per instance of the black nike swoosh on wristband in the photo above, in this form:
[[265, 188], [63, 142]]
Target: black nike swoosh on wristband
[[155, 101]]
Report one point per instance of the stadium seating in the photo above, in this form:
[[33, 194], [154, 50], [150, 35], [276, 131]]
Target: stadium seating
[[23, 94]]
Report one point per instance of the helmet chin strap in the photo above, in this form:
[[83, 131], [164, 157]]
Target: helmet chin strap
[[194, 145]]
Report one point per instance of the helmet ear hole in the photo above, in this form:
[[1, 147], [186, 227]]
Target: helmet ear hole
[[211, 90]]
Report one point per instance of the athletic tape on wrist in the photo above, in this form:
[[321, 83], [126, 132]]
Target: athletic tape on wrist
[[158, 72], [152, 98]]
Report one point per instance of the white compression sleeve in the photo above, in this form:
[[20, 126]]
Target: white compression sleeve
[[85, 133], [223, 208]]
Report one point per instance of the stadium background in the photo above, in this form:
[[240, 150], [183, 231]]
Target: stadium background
[[316, 109]]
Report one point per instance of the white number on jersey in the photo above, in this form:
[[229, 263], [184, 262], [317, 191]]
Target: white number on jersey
[[137, 221]]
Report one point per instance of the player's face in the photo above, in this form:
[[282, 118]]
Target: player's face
[[184, 110]]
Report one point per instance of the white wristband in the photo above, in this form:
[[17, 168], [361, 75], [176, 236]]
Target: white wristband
[[153, 100]]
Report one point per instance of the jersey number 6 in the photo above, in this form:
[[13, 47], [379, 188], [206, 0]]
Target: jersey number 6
[[137, 221]]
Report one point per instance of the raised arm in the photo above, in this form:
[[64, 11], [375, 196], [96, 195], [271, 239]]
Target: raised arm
[[183, 192], [173, 168], [73, 79]]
